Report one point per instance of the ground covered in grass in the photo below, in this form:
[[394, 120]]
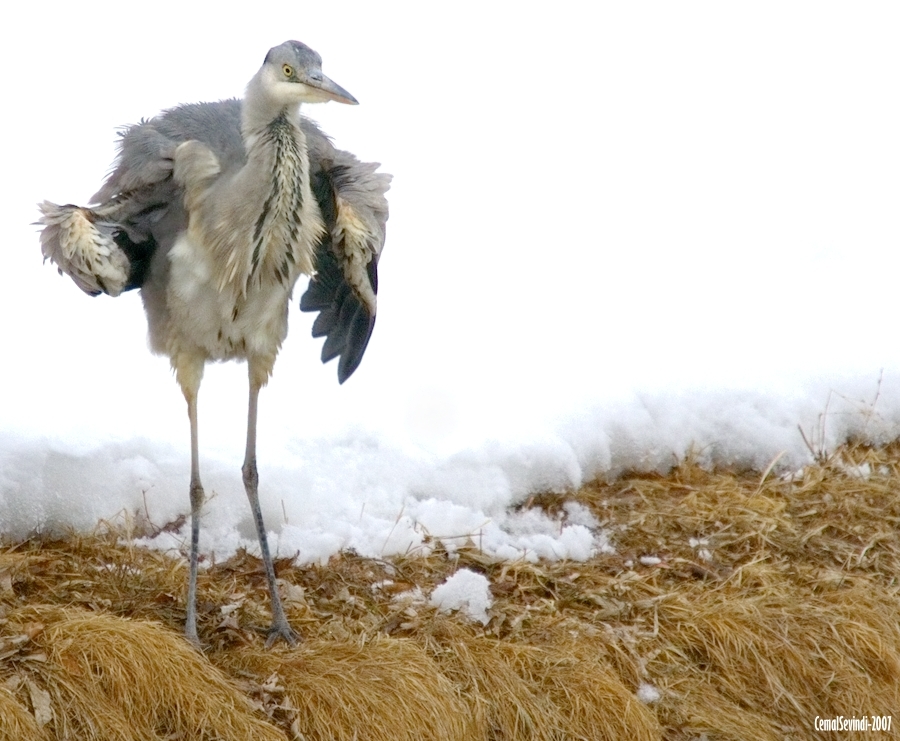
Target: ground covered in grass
[[737, 605]]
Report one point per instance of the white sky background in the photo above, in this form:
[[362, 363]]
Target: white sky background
[[646, 200]]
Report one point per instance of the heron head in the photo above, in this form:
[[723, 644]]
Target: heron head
[[292, 73]]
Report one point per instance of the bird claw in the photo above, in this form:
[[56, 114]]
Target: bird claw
[[284, 631]]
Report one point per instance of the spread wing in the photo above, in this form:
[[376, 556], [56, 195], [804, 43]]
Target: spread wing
[[351, 196], [135, 217], [107, 247]]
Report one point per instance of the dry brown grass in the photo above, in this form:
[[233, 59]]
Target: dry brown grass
[[768, 601], [98, 676], [398, 691], [16, 722]]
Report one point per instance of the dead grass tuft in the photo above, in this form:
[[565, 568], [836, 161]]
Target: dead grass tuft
[[16, 721], [107, 678], [371, 687], [764, 663], [564, 690]]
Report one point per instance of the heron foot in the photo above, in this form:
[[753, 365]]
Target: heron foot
[[190, 632], [281, 629]]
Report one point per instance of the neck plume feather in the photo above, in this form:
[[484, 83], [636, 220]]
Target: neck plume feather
[[271, 200]]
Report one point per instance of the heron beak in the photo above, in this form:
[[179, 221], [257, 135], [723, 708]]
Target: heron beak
[[329, 89]]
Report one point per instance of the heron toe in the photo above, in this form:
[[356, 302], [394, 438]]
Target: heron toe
[[281, 629]]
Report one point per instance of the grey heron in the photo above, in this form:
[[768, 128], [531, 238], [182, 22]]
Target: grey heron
[[214, 210]]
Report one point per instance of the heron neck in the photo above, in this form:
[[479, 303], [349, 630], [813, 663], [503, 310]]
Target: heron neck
[[259, 111]]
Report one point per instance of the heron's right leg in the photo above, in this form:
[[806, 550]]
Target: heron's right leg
[[259, 371], [189, 373]]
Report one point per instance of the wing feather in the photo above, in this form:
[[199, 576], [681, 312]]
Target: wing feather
[[351, 196]]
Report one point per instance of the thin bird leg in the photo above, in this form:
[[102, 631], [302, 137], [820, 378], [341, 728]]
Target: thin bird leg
[[189, 373], [190, 627], [280, 627]]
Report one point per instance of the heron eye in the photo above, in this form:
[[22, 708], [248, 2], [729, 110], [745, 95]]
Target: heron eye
[[288, 70]]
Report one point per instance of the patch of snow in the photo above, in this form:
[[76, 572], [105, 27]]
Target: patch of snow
[[648, 694], [856, 471], [703, 553], [466, 591]]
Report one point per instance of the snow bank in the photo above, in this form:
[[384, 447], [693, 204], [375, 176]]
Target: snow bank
[[380, 497]]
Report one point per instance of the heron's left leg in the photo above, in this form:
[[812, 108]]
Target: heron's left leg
[[189, 373], [280, 627]]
